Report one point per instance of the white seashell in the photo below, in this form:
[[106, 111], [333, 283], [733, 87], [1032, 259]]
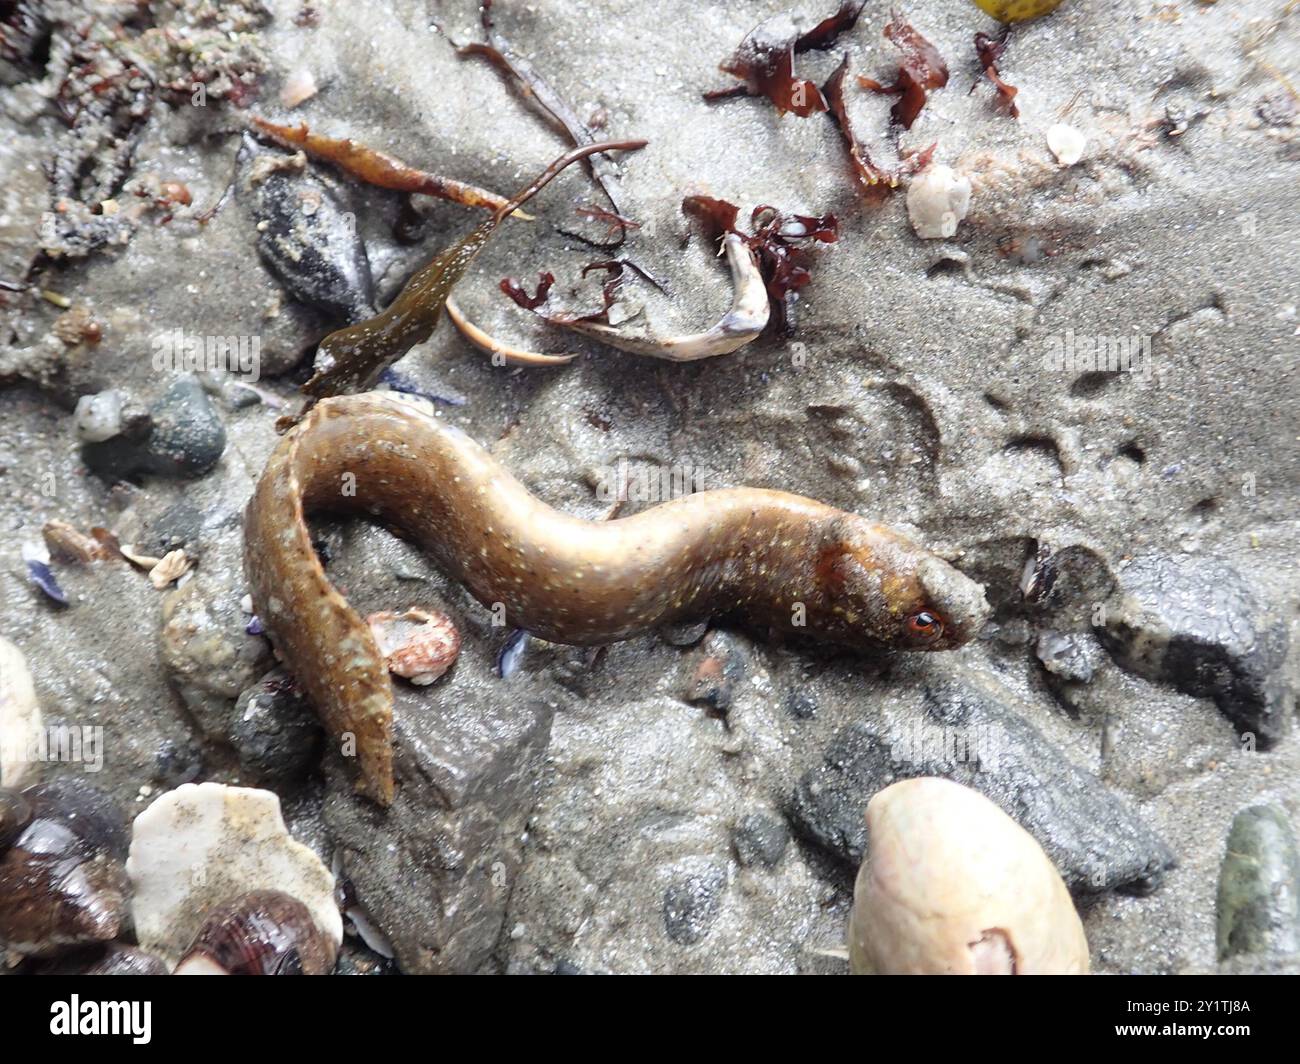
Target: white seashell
[[1066, 143], [173, 565], [143, 561], [746, 319], [937, 201], [298, 87], [952, 885], [202, 845], [98, 417], [20, 716]]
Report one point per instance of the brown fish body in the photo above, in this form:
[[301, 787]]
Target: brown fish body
[[779, 559]]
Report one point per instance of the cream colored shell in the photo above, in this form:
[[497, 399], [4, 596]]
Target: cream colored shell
[[952, 885]]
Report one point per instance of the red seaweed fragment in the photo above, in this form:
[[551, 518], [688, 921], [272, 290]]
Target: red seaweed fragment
[[920, 68], [516, 291], [614, 222], [875, 181], [990, 49], [764, 62], [780, 243]]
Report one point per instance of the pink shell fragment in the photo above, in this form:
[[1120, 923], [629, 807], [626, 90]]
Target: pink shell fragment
[[417, 645]]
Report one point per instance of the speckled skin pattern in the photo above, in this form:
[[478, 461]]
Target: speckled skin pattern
[[774, 559]]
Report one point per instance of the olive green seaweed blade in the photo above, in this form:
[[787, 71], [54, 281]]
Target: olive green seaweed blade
[[351, 359]]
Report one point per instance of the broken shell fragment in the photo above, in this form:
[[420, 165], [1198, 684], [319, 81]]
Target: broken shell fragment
[[201, 845], [98, 417], [20, 715], [937, 201], [1066, 143], [62, 884], [952, 885], [264, 932], [68, 544], [499, 348], [172, 566], [417, 645], [746, 319], [298, 87]]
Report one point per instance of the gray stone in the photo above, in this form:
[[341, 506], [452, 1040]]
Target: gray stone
[[1193, 622], [310, 242], [207, 655], [186, 438], [970, 734], [276, 731], [692, 903], [1069, 656], [434, 871], [1259, 886], [760, 839]]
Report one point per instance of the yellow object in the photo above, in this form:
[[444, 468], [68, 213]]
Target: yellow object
[[1017, 10]]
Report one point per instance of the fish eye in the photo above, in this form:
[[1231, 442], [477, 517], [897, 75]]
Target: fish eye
[[924, 624]]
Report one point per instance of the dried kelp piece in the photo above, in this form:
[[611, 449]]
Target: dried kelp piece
[[764, 61], [990, 49], [535, 91], [920, 68], [499, 348], [875, 181], [779, 242], [352, 358], [376, 167]]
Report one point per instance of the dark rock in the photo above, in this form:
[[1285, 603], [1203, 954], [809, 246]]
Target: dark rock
[[1196, 624], [1259, 886], [434, 871], [276, 731], [801, 705], [692, 904], [177, 526], [178, 763], [186, 438], [310, 243], [968, 733], [760, 839], [684, 635]]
